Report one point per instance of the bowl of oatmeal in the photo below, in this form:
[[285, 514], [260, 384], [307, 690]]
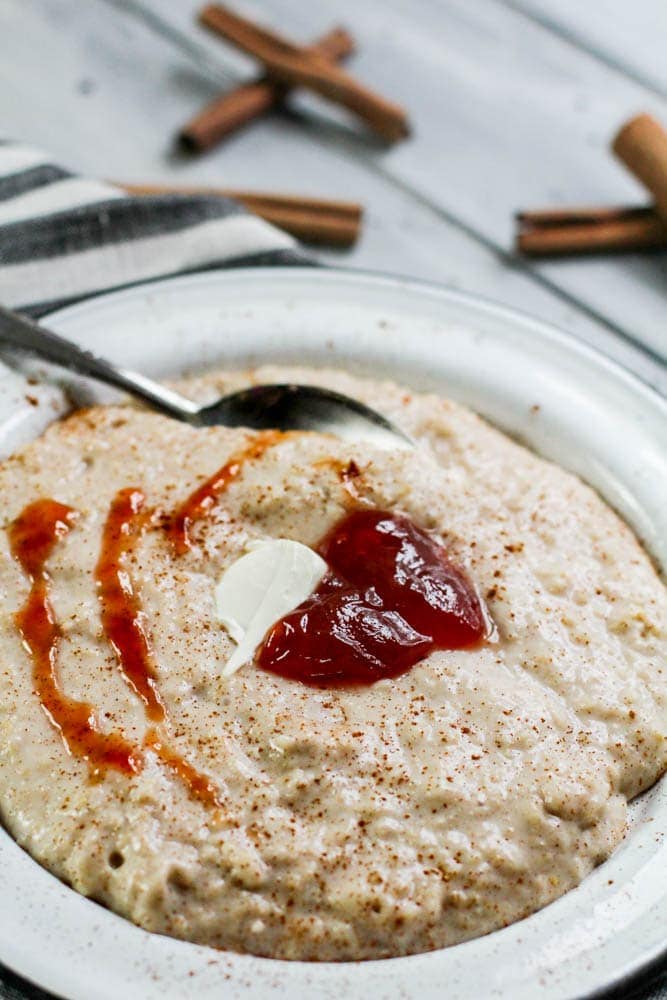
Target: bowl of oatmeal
[[428, 750]]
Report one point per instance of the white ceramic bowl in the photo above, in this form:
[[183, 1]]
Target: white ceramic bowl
[[570, 404]]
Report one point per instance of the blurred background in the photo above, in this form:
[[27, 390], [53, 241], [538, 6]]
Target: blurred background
[[513, 105]]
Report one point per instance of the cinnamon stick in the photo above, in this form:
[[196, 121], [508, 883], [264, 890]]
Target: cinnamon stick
[[642, 146], [551, 232], [312, 220], [570, 215], [230, 111], [295, 65]]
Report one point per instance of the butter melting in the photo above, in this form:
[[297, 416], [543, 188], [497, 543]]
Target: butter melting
[[260, 588]]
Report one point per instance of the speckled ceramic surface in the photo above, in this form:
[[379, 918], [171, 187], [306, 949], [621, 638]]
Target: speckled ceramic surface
[[571, 405]]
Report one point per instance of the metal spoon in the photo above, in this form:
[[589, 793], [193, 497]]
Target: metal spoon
[[283, 407]]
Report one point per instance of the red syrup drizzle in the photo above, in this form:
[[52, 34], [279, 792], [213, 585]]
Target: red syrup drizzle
[[390, 598], [123, 624], [199, 785], [33, 536], [122, 617], [203, 499]]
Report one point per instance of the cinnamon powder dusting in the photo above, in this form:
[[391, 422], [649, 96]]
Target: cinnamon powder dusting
[[349, 475], [199, 785]]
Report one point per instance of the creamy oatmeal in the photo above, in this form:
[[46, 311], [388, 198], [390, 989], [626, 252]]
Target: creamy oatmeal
[[262, 814]]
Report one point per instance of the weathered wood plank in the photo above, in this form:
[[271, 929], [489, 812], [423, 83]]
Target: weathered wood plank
[[117, 91], [506, 115], [629, 36]]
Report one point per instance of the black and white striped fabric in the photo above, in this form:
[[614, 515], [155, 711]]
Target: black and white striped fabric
[[64, 237]]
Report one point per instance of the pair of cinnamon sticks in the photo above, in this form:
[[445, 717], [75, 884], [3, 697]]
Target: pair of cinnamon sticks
[[641, 144], [286, 65]]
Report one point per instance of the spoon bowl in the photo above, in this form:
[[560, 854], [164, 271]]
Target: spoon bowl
[[260, 407], [304, 408]]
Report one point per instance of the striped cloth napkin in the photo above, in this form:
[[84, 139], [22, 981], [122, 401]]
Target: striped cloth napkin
[[64, 237]]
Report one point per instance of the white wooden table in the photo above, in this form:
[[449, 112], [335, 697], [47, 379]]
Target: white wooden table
[[513, 103]]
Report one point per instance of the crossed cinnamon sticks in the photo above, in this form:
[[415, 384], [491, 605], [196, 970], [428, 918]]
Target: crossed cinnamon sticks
[[286, 65], [250, 101], [641, 144]]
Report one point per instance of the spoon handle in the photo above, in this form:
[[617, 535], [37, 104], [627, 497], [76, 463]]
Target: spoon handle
[[25, 334]]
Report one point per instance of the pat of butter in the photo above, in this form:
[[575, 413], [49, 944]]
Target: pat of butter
[[260, 588]]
